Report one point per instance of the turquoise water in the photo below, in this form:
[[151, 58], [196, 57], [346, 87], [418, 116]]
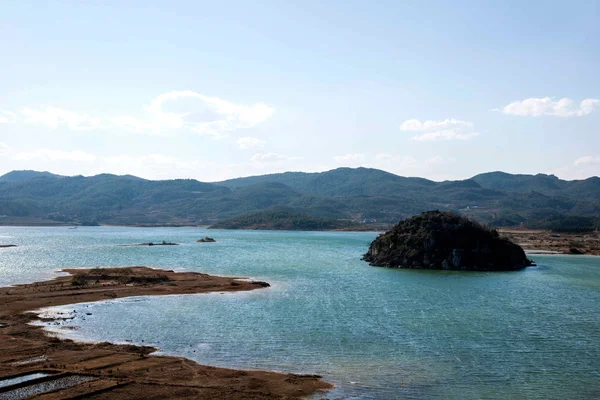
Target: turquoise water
[[376, 333]]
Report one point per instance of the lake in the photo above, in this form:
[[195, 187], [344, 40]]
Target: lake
[[375, 333]]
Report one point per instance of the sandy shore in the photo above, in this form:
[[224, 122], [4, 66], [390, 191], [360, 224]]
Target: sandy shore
[[561, 243], [110, 371]]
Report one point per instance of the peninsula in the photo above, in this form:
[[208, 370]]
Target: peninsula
[[109, 371]]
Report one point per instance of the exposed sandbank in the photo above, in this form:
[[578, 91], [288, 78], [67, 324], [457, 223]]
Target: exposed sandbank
[[559, 243], [127, 371]]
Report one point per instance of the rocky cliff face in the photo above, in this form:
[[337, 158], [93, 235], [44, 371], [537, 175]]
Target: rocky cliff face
[[442, 240]]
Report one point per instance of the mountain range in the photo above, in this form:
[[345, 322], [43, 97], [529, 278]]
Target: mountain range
[[354, 194]]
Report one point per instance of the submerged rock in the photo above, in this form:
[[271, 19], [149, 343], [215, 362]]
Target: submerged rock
[[163, 243], [444, 240]]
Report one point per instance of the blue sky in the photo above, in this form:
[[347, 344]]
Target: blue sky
[[216, 90]]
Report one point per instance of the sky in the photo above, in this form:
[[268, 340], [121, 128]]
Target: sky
[[218, 90]]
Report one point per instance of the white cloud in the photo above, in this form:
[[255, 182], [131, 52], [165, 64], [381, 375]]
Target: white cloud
[[350, 159], [167, 113], [249, 142], [55, 155], [148, 165], [581, 168], [437, 160], [136, 125], [389, 161], [408, 163], [53, 117], [587, 160], [198, 113], [414, 125], [270, 158], [151, 166], [7, 117], [4, 149], [537, 106], [444, 135], [448, 129]]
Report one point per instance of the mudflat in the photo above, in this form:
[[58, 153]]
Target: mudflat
[[561, 243], [111, 371]]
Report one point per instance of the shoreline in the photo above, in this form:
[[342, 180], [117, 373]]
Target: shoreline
[[124, 371], [548, 242], [70, 226]]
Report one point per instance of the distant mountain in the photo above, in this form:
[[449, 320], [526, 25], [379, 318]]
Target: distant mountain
[[14, 176], [339, 182], [545, 184], [362, 195]]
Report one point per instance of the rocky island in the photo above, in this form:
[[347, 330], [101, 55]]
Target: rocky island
[[445, 240]]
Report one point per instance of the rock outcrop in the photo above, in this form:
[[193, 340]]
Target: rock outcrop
[[206, 239], [443, 240]]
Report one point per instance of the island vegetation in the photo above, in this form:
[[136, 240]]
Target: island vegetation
[[283, 220], [445, 240]]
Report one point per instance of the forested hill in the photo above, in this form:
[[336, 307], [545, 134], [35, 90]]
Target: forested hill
[[339, 182], [362, 195], [283, 218]]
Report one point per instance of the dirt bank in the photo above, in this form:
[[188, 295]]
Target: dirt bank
[[112, 371], [563, 243]]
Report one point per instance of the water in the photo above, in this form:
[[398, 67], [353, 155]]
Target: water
[[21, 379], [376, 333], [27, 392]]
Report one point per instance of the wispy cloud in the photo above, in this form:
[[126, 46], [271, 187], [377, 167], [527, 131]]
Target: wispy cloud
[[414, 125], [197, 113], [448, 129], [153, 166], [54, 117], [350, 159], [444, 135], [141, 165], [270, 158], [55, 155], [167, 113], [205, 115], [385, 160], [4, 149], [538, 106], [435, 167], [587, 160], [7, 117], [248, 142], [136, 125]]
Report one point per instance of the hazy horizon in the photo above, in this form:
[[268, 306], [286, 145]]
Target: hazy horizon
[[442, 90]]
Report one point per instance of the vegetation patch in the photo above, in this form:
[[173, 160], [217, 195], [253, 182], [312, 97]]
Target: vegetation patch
[[281, 219], [121, 276], [444, 240]]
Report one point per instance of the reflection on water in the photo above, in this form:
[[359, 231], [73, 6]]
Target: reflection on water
[[374, 332]]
